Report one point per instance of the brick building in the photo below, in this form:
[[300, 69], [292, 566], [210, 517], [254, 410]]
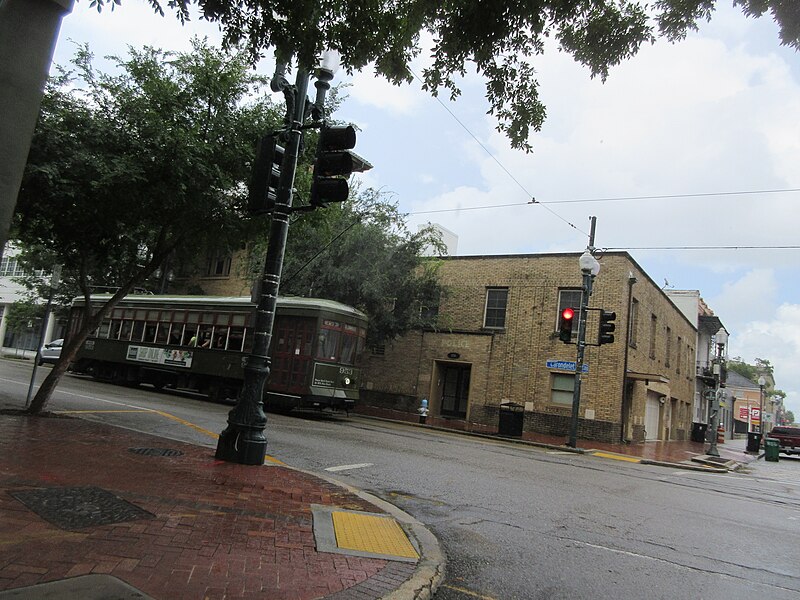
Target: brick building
[[497, 344]]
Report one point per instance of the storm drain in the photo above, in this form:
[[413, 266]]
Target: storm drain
[[74, 508], [156, 451]]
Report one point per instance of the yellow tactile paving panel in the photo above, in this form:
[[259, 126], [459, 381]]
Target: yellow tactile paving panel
[[617, 457], [368, 533]]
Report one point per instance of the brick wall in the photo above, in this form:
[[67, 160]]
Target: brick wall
[[509, 364]]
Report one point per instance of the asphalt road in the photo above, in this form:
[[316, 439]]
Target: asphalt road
[[515, 521]]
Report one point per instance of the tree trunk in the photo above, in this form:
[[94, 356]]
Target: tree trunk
[[49, 384]]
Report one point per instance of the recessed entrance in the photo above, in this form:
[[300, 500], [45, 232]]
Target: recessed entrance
[[454, 382]]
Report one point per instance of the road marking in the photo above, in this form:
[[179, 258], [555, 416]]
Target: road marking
[[135, 408], [559, 452], [348, 467], [467, 592]]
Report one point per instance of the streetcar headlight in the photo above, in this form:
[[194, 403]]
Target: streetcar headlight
[[346, 381]]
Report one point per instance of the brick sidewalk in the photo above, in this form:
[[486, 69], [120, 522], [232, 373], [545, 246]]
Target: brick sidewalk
[[209, 529]]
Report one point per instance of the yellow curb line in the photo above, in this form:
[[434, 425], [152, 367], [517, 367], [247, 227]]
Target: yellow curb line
[[166, 415]]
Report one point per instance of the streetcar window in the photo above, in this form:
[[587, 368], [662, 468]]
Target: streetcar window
[[221, 341], [176, 330], [150, 332], [138, 330], [192, 317], [327, 342], [235, 338], [204, 337], [208, 318], [102, 331], [125, 332], [239, 320], [248, 341], [162, 334], [115, 327], [189, 337], [349, 345]]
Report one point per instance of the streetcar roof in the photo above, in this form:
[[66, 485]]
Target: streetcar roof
[[243, 302]]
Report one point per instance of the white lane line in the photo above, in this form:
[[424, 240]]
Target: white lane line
[[348, 467]]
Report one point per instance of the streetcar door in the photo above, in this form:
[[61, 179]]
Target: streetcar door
[[292, 353]]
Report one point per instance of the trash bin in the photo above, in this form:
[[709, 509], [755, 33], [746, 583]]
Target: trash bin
[[772, 448], [699, 432], [512, 417], [753, 442]]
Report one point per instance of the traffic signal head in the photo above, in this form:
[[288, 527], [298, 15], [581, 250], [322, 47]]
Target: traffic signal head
[[565, 325], [265, 176], [334, 161], [607, 327]]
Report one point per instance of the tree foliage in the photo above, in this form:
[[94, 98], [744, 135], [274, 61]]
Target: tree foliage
[[361, 253], [500, 39], [127, 169]]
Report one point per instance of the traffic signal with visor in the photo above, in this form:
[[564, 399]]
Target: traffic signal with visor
[[565, 325], [265, 176], [334, 161], [607, 327]]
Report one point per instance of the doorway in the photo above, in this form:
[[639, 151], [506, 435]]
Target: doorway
[[454, 381]]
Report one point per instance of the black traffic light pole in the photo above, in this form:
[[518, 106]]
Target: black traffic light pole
[[586, 292], [243, 440]]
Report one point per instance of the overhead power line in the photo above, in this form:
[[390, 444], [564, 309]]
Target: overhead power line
[[613, 199]]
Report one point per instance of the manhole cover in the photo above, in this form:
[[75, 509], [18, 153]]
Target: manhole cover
[[156, 451], [74, 508]]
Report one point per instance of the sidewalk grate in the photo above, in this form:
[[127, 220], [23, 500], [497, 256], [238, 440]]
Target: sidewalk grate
[[75, 508], [156, 451]]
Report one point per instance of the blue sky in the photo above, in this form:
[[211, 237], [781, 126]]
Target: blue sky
[[718, 112]]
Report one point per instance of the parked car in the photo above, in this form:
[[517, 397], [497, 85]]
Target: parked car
[[788, 438], [51, 352]]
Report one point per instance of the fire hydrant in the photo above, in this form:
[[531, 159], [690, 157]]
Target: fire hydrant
[[423, 411]]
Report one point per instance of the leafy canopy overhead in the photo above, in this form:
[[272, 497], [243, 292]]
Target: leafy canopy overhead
[[500, 38]]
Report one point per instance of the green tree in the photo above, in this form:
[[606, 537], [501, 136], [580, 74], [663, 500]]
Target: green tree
[[500, 40], [128, 169], [789, 417], [362, 254]]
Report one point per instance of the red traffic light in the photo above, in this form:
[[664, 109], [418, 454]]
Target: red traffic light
[[565, 325]]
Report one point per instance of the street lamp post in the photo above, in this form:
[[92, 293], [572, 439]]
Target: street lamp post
[[721, 339], [589, 270], [761, 383], [243, 440]]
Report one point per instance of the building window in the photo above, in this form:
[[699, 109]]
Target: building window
[[634, 323], [679, 359], [653, 329], [496, 304], [669, 349], [562, 389], [219, 266], [569, 299]]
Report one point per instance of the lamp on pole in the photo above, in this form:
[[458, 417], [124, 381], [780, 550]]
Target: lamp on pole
[[761, 383], [589, 269], [243, 440], [721, 339]]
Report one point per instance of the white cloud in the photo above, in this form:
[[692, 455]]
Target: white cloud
[[777, 340]]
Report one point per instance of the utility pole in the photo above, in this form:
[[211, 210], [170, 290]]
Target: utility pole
[[589, 270]]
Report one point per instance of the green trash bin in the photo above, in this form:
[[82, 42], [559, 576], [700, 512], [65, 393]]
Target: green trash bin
[[772, 448]]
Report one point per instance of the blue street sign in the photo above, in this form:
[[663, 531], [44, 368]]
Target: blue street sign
[[565, 365]]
